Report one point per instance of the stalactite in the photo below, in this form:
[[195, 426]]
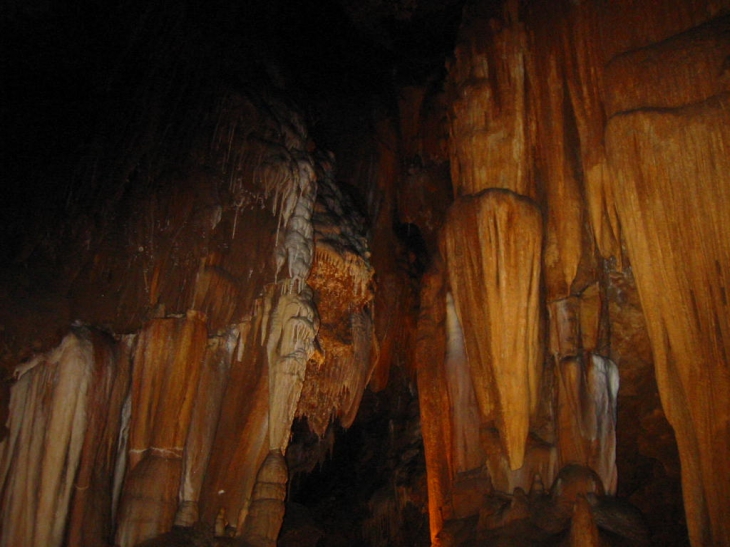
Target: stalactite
[[342, 282], [488, 125], [670, 171], [434, 402], [554, 119], [492, 243], [466, 450]]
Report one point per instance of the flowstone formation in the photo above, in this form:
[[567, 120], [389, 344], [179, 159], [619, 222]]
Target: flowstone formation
[[569, 187], [506, 282], [182, 417]]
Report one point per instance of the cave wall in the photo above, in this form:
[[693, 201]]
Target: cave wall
[[540, 249], [220, 287], [572, 128]]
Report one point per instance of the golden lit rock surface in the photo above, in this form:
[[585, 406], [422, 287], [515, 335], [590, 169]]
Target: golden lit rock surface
[[492, 243], [509, 276], [488, 124], [678, 249]]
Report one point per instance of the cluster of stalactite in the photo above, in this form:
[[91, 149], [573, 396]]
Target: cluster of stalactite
[[568, 185], [170, 402], [583, 138]]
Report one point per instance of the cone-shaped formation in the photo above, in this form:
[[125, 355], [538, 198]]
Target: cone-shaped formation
[[492, 243]]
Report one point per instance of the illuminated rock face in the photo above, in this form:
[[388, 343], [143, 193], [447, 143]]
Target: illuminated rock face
[[492, 243], [187, 419], [619, 142], [565, 320]]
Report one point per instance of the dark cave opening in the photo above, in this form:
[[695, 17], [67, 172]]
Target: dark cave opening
[[364, 486]]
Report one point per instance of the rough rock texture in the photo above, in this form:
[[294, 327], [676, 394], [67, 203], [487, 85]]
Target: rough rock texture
[[507, 278], [219, 366], [612, 119]]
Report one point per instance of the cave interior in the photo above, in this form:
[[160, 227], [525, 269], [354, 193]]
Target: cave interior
[[388, 273]]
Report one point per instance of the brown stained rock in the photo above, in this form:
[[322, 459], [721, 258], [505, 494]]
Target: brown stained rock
[[583, 529], [488, 119], [241, 439], [206, 413], [687, 68], [670, 170], [492, 243], [47, 433], [94, 501], [591, 316], [167, 366], [423, 199], [433, 399], [637, 25], [564, 327], [149, 501], [555, 140]]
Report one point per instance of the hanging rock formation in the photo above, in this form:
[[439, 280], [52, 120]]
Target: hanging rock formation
[[529, 250], [492, 242], [557, 108], [173, 424]]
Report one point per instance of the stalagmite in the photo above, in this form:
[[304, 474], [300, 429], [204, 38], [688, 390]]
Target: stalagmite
[[492, 243], [583, 530], [262, 524], [434, 401]]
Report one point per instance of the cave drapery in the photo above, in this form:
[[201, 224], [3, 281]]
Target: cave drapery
[[508, 247]]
